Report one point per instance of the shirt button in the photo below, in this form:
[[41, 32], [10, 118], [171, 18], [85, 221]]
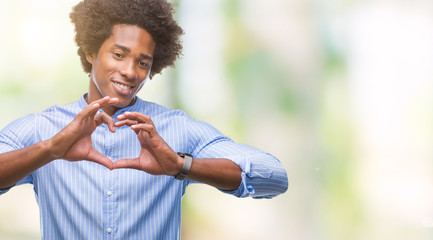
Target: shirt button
[[109, 230], [109, 193]]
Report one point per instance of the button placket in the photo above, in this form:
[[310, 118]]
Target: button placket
[[109, 200]]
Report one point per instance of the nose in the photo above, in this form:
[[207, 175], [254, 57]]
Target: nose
[[128, 71]]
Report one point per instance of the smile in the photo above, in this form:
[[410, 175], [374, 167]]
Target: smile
[[123, 86]]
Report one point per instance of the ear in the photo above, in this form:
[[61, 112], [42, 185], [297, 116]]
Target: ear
[[90, 57]]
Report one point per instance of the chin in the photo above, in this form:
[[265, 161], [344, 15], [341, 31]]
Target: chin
[[123, 104]]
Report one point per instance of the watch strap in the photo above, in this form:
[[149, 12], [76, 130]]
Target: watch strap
[[186, 165]]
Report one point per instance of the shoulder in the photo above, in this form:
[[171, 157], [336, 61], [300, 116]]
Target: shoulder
[[31, 119], [20, 123], [54, 115], [61, 111]]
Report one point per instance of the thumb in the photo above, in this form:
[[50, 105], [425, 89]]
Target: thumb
[[126, 163], [97, 157]]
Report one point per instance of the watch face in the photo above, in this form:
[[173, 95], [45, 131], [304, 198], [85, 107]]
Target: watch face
[[181, 154]]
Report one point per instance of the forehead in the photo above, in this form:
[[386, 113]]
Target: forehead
[[134, 38]]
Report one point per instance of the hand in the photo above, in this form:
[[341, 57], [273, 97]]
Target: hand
[[156, 157], [74, 142]]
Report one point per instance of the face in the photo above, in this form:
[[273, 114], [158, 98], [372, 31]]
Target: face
[[122, 65]]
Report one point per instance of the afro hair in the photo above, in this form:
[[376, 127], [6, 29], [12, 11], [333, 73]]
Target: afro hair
[[94, 21]]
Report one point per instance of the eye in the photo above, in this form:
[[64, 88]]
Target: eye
[[118, 55], [143, 64]]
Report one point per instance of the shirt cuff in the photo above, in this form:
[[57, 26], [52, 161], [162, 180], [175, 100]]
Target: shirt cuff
[[250, 175]]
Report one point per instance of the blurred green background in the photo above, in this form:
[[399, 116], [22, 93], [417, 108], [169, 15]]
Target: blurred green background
[[339, 90]]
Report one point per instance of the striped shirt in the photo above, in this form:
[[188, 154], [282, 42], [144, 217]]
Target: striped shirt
[[85, 200]]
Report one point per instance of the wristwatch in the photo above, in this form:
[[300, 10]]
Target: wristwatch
[[186, 165]]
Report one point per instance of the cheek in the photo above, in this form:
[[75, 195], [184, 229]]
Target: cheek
[[145, 78], [103, 68]]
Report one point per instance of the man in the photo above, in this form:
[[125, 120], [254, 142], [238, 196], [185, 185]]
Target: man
[[139, 156]]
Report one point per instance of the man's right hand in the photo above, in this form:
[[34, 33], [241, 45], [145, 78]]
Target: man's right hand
[[74, 142]]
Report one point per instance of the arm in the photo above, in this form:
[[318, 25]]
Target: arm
[[72, 143], [15, 165], [221, 173], [263, 175], [219, 162]]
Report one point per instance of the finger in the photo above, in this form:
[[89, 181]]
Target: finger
[[143, 132], [93, 107], [101, 101], [104, 118], [127, 163], [109, 101], [140, 117], [89, 110], [105, 101], [98, 157], [114, 101], [125, 122], [150, 128]]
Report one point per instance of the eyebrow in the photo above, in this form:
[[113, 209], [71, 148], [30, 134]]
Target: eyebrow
[[127, 50]]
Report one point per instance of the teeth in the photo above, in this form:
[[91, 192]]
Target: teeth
[[122, 86]]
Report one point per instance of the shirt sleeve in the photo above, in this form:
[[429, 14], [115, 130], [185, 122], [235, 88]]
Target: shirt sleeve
[[263, 176], [17, 135]]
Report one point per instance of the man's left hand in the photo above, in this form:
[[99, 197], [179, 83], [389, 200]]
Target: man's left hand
[[156, 157]]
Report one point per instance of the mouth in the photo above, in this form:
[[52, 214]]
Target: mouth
[[123, 86]]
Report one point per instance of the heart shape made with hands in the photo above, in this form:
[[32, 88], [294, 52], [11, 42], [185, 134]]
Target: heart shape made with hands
[[156, 157], [74, 142]]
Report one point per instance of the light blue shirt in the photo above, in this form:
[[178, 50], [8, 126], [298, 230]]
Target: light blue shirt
[[84, 200]]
